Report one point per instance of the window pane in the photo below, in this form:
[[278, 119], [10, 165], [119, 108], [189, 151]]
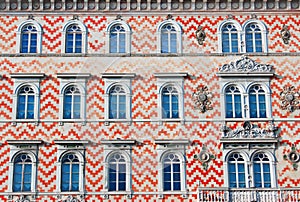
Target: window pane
[[113, 43], [176, 186]]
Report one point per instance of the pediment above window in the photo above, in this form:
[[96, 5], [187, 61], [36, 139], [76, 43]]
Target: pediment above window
[[246, 67]]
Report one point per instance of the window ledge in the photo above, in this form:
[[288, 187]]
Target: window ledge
[[118, 75], [247, 119], [24, 142], [66, 142], [170, 74], [27, 75], [73, 75], [172, 141], [118, 142]]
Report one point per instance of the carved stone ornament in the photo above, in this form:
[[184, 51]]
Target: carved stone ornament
[[22, 199], [293, 157], [246, 65], [204, 157], [200, 35], [285, 34], [250, 131], [202, 98], [71, 199], [289, 98]]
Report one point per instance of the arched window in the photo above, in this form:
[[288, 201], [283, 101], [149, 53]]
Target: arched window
[[170, 102], [172, 168], [22, 173], [261, 170], [117, 172], [70, 172], [257, 102], [253, 38], [74, 36], [169, 37], [26, 102], [118, 33], [230, 38], [72, 103], [117, 102], [73, 39], [237, 171], [29, 37], [233, 100]]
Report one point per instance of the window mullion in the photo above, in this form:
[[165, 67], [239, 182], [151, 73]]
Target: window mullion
[[170, 105], [72, 105], [118, 42], [74, 42], [257, 105], [29, 42], [118, 105], [26, 106], [22, 176], [70, 177], [253, 41], [117, 175], [233, 105]]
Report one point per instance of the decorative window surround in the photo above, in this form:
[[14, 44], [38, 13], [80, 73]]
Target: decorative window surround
[[125, 148], [79, 80], [26, 79], [178, 29], [178, 147], [39, 35], [31, 148], [78, 148], [245, 73], [111, 80], [249, 140], [127, 35], [84, 36], [177, 80]]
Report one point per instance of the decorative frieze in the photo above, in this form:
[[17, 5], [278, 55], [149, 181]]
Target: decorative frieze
[[249, 130], [246, 65]]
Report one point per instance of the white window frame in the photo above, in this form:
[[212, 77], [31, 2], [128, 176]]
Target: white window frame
[[178, 147], [84, 36], [244, 84], [127, 36], [242, 35], [264, 33], [178, 36], [30, 147], [65, 147], [39, 35], [248, 152], [177, 80], [111, 80], [220, 39], [26, 79], [125, 148], [79, 80]]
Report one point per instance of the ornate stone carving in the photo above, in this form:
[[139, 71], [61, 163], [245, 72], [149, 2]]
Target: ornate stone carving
[[285, 34], [200, 35], [22, 199], [204, 157], [250, 131], [289, 98], [169, 17], [246, 65], [293, 157], [202, 98], [71, 199]]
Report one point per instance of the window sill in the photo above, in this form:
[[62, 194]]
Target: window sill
[[82, 121], [247, 119], [184, 194], [16, 121], [128, 194], [108, 121], [171, 120]]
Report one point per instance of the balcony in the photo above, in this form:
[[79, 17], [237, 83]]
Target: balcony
[[249, 195]]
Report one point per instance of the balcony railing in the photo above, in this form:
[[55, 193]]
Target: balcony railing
[[249, 195]]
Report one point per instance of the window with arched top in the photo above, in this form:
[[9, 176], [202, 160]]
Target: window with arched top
[[117, 102], [172, 169], [29, 37], [230, 38], [117, 171], [257, 102], [118, 33], [262, 170], [170, 102], [74, 37], [22, 173], [72, 103], [70, 172], [253, 34], [26, 102], [233, 100], [169, 35], [237, 171]]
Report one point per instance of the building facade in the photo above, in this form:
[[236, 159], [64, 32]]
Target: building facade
[[149, 100]]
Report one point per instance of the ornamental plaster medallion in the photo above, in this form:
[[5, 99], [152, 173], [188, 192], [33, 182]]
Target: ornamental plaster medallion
[[204, 157], [202, 98], [289, 98], [22, 199], [71, 199], [293, 157], [285, 34], [200, 35], [246, 65]]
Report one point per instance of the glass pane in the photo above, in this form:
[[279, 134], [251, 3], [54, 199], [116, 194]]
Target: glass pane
[[176, 186], [164, 43], [122, 186], [113, 42], [167, 186]]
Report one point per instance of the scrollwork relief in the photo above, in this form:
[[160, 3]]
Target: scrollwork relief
[[289, 98], [202, 98]]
